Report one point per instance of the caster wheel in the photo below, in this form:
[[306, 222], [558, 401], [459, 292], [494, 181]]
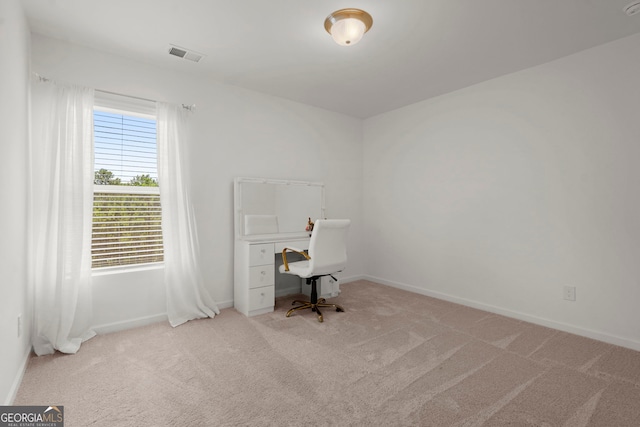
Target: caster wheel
[[339, 309], [320, 319]]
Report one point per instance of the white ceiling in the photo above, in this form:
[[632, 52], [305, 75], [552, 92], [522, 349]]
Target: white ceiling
[[415, 50]]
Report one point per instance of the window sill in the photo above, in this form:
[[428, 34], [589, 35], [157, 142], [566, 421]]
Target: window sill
[[104, 271]]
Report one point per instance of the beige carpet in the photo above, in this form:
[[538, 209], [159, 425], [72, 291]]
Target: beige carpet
[[392, 359]]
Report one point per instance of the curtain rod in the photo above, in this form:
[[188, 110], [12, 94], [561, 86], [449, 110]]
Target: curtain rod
[[128, 96], [189, 107]]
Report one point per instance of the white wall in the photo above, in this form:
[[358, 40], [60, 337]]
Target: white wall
[[235, 133], [14, 296], [500, 194]]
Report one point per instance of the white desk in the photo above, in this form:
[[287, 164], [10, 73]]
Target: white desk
[[254, 269]]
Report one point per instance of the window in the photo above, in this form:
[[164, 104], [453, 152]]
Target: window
[[126, 203]]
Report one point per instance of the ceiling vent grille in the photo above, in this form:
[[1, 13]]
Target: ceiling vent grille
[[185, 53]]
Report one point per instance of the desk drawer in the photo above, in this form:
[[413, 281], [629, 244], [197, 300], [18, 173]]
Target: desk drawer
[[261, 275], [261, 254], [261, 297]]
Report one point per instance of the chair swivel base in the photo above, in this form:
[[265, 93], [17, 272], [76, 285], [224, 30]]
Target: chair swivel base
[[314, 307]]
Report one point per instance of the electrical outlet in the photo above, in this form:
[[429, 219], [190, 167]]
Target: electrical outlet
[[19, 325], [570, 293]]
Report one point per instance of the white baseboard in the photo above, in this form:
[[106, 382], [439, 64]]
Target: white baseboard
[[143, 321], [130, 324], [224, 304], [348, 279], [573, 329], [13, 392]]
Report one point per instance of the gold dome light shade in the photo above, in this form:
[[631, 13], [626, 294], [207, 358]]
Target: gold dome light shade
[[347, 26]]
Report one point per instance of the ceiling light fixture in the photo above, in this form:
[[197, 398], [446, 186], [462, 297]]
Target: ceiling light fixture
[[347, 26]]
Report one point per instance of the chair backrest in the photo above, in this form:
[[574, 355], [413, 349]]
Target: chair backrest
[[328, 246], [260, 224]]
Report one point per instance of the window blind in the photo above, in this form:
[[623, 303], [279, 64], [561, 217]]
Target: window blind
[[125, 146], [127, 214], [127, 228]]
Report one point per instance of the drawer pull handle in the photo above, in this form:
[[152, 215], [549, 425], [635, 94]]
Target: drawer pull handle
[[263, 251], [262, 293], [263, 272]]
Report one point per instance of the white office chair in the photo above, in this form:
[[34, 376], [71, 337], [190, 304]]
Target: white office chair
[[327, 255]]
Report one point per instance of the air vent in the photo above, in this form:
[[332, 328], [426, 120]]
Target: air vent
[[185, 53], [177, 52], [191, 56]]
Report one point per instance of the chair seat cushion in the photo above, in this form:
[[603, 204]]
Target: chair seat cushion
[[303, 269], [298, 268]]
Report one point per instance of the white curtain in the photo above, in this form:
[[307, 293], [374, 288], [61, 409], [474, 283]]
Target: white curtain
[[60, 211], [187, 297]]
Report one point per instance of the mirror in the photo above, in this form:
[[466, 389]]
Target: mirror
[[267, 206]]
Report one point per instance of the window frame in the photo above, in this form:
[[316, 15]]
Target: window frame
[[132, 107]]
